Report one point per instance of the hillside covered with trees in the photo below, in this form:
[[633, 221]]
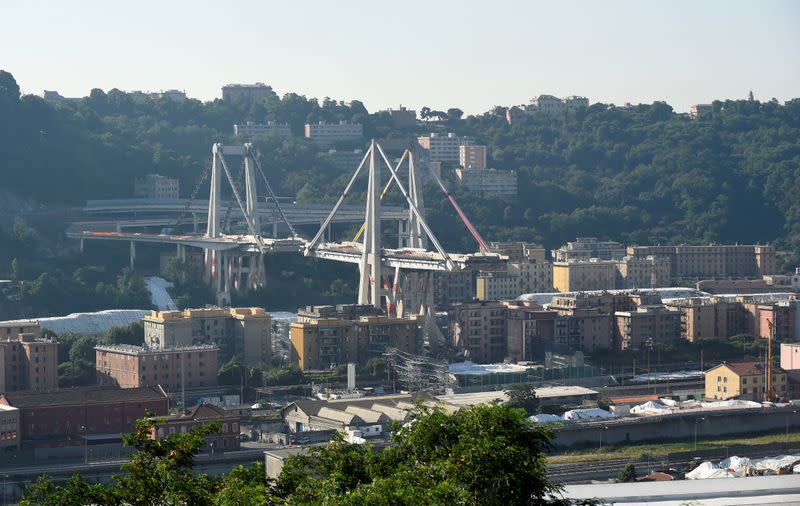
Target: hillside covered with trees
[[640, 174]]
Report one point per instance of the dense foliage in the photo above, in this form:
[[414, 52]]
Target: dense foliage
[[640, 174], [77, 357], [478, 456]]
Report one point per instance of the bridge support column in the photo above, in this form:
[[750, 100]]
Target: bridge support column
[[275, 229], [81, 245], [133, 253], [194, 222]]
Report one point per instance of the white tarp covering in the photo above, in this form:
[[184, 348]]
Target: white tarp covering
[[587, 414], [668, 376], [734, 467], [730, 404], [159, 296], [94, 324], [545, 418], [479, 369], [650, 408]]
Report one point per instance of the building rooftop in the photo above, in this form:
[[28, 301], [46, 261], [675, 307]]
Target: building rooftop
[[748, 368], [82, 395], [131, 349]]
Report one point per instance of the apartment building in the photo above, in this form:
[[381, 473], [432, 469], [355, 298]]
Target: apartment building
[[327, 134], [513, 279], [528, 327], [647, 324], [585, 332], [326, 336], [251, 129], [244, 333], [585, 248], [472, 156], [246, 93], [479, 329], [581, 275], [518, 251], [403, 117], [129, 366], [454, 287], [714, 260], [648, 272], [27, 360], [443, 148], [744, 380], [698, 110], [708, 318], [499, 183], [156, 186]]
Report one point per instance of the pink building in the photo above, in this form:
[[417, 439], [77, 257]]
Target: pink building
[[790, 356]]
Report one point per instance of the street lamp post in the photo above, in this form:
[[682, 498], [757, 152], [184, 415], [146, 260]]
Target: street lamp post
[[85, 445], [794, 412], [5, 477], [604, 427], [695, 431]]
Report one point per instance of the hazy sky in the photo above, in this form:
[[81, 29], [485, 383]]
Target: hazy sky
[[467, 54]]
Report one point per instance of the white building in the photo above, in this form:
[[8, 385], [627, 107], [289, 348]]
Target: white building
[[443, 148], [250, 129], [156, 186], [325, 134], [502, 183], [516, 279]]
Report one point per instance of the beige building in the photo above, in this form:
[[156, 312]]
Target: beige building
[[128, 366], [648, 272], [518, 251], [27, 360], [443, 148], [647, 324], [517, 278], [584, 248], [326, 336], [326, 134], [744, 380], [244, 333], [480, 329], [580, 275], [714, 260], [472, 156], [501, 183], [708, 318]]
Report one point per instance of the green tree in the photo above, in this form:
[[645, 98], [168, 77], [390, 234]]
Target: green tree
[[158, 472], [523, 395], [484, 455], [626, 474], [83, 349], [132, 334]]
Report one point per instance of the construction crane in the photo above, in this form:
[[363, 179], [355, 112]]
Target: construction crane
[[769, 393]]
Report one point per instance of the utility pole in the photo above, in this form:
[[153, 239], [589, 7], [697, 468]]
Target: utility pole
[[769, 394]]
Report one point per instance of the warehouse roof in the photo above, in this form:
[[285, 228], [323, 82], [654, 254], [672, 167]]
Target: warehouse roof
[[82, 396]]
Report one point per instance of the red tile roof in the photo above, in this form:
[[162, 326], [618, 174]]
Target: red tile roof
[[750, 368]]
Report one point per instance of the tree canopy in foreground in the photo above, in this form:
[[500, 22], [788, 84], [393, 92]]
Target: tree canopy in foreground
[[484, 455]]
